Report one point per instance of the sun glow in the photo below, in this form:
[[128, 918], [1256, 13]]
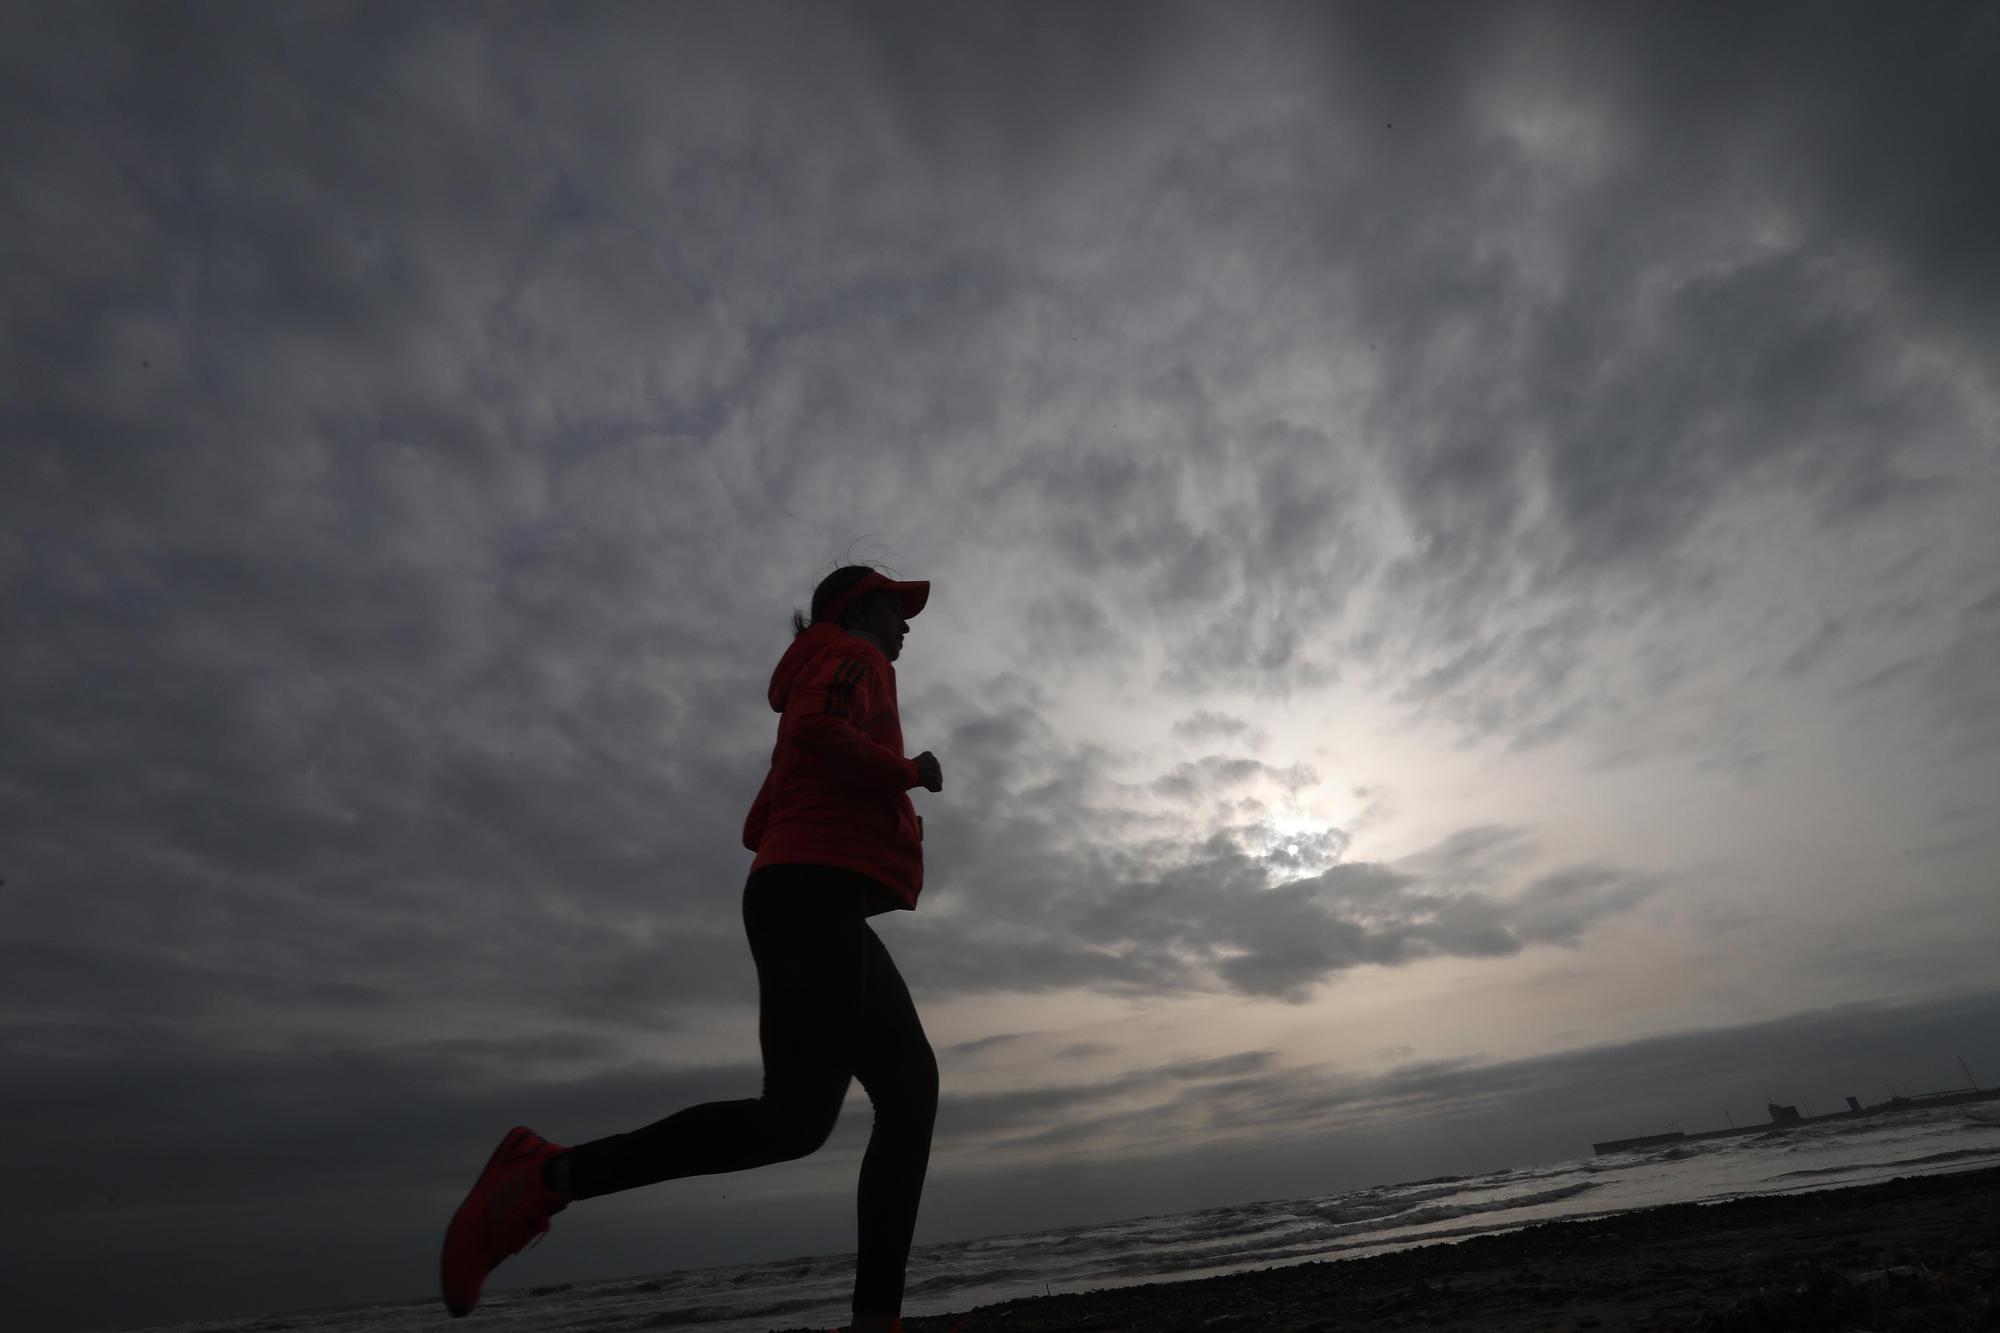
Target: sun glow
[[1299, 842], [1294, 823]]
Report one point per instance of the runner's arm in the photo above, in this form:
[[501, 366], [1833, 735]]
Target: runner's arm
[[843, 690]]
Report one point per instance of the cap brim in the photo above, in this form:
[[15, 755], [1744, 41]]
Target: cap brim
[[911, 596]]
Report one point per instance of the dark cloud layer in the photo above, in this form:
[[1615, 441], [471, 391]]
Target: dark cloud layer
[[418, 421]]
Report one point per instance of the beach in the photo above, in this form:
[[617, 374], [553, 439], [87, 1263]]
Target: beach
[[1912, 1253]]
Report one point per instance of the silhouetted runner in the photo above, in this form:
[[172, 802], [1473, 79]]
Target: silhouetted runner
[[837, 841]]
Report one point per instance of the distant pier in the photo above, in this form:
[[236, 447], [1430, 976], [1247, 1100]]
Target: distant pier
[[1788, 1117]]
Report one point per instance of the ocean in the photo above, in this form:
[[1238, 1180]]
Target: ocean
[[955, 1276]]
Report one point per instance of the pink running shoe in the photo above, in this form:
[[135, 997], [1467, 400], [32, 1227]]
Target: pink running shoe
[[509, 1206]]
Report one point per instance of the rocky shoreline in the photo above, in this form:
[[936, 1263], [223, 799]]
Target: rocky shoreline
[[1913, 1253]]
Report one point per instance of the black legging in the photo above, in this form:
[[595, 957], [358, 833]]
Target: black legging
[[831, 1007]]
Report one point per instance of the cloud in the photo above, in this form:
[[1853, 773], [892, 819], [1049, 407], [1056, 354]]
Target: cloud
[[1072, 625], [1960, 690], [966, 1049], [1248, 911], [1802, 658], [1214, 772], [1558, 908], [1207, 724], [391, 535], [1477, 855]]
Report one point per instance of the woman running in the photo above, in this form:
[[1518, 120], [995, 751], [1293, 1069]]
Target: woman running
[[837, 841]]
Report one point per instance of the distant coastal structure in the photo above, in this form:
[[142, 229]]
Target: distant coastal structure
[[1788, 1117]]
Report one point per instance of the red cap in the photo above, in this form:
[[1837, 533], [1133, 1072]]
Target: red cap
[[912, 595]]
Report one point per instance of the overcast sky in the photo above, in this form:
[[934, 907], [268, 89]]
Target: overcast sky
[[1465, 614]]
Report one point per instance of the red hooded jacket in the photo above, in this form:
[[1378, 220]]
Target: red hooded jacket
[[837, 792]]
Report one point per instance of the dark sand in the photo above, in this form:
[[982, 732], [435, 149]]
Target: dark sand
[[1914, 1253]]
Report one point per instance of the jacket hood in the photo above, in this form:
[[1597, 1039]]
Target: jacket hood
[[801, 658]]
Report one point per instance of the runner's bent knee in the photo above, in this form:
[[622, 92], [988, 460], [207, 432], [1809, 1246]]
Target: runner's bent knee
[[799, 1125]]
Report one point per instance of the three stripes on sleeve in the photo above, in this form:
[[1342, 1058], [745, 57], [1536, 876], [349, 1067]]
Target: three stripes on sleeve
[[840, 690]]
